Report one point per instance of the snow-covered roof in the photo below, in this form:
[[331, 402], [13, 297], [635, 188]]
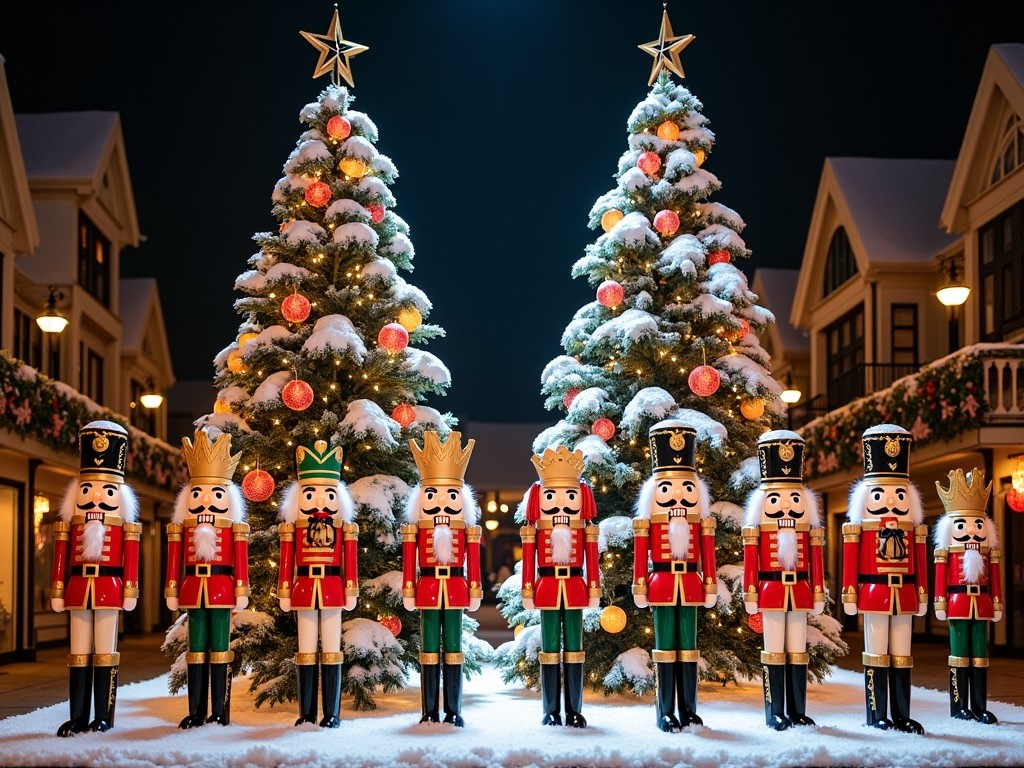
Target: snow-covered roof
[[1012, 55], [501, 457], [776, 289], [895, 205], [65, 145]]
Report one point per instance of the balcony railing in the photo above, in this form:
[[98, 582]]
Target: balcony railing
[[981, 384], [859, 381]]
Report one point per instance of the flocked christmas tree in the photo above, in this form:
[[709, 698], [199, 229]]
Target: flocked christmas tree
[[327, 350], [672, 334]]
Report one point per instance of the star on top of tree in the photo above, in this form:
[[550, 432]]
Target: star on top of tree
[[334, 43], [666, 49]]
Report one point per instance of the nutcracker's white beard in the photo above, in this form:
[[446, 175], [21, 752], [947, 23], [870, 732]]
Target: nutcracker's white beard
[[443, 544], [92, 541], [205, 540], [561, 544], [787, 549], [972, 566], [679, 537]]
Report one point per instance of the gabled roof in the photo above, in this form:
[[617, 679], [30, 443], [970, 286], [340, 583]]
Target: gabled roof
[[1000, 94], [142, 316], [17, 217], [776, 289]]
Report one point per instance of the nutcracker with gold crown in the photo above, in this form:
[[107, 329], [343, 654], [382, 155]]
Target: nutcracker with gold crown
[[674, 566], [968, 589], [442, 538], [783, 573], [208, 571], [885, 571], [561, 575], [317, 574], [96, 571]]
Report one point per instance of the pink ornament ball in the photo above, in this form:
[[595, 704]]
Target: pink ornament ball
[[1015, 499], [393, 338], [603, 428], [376, 212], [404, 414], [649, 163], [610, 294], [666, 222], [704, 380], [719, 257], [297, 395], [570, 395], [318, 194], [258, 485], [295, 308], [339, 128], [393, 624]]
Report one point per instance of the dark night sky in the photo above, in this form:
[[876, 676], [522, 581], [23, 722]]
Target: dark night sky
[[506, 122]]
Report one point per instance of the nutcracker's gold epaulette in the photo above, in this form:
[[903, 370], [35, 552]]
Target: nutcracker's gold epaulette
[[132, 532], [593, 532], [817, 536], [473, 534], [528, 534], [995, 555], [939, 555], [409, 532], [174, 534], [921, 534], [708, 524], [641, 526], [61, 530], [751, 534], [351, 531], [851, 533], [285, 532], [240, 532]]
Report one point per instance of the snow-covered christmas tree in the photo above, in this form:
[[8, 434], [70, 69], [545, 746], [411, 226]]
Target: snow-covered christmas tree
[[327, 349], [671, 334]]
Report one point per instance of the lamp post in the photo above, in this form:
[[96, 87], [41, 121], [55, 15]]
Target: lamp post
[[51, 320], [790, 396], [953, 294]]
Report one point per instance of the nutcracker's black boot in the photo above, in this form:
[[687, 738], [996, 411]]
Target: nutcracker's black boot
[[958, 676], [306, 679], [686, 691], [430, 692], [574, 694], [899, 695], [104, 688], [551, 693], [774, 680], [453, 693], [79, 694], [330, 683], [876, 690], [796, 691], [198, 698], [220, 687], [979, 692], [666, 701]]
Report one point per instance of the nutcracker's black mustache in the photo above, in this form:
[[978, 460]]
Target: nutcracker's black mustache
[[92, 505], [783, 513], [888, 511], [968, 537], [679, 503], [438, 510], [316, 510], [556, 510], [200, 509]]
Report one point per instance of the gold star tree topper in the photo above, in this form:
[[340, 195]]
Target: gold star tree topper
[[335, 52], [666, 49]]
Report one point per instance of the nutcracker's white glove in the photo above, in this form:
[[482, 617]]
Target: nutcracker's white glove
[[640, 601], [172, 603], [850, 609], [940, 614], [130, 603], [997, 615], [922, 608], [409, 603], [241, 602], [474, 603], [285, 603], [711, 600], [594, 602], [819, 607], [527, 603], [350, 602], [57, 604], [751, 606]]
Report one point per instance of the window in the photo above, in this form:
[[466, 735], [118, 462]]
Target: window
[[93, 260], [904, 334], [845, 358], [840, 265], [28, 340], [1011, 150], [90, 381], [1001, 248], [142, 418]]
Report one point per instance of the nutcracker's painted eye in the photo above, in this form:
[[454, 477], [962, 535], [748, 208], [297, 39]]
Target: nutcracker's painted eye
[[110, 492], [453, 494], [549, 495], [331, 495], [195, 493], [877, 495], [795, 496], [570, 495]]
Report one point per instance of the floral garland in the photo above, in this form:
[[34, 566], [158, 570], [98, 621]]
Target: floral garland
[[943, 400], [33, 405]]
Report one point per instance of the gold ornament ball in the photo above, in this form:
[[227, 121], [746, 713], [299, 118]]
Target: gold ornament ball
[[699, 154], [235, 362], [668, 131], [219, 406], [410, 319], [517, 630], [610, 219], [354, 169], [245, 338], [752, 408], [613, 619]]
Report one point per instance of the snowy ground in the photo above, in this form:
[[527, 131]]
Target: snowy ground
[[503, 729]]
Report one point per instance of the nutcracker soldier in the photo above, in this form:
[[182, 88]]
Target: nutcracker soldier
[[561, 576], [208, 571], [674, 566], [96, 571], [885, 571], [968, 589], [441, 535], [783, 573], [317, 573]]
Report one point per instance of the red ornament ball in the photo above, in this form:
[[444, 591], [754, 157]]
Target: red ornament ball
[[704, 380], [666, 222], [393, 338], [339, 128], [295, 308], [603, 428], [376, 212], [258, 485], [318, 194], [756, 622], [719, 257], [404, 414], [393, 624], [649, 163], [570, 395], [1015, 499], [610, 294], [297, 395]]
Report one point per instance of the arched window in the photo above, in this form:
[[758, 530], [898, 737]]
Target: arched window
[[840, 265], [1011, 150]]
